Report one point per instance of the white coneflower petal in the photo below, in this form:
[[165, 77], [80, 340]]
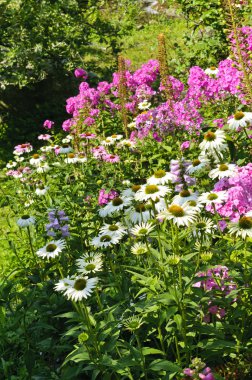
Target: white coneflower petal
[[212, 71], [104, 241], [92, 266], [242, 228], [25, 221], [181, 215], [161, 177], [41, 190], [113, 229], [52, 249], [139, 213], [223, 170], [184, 196], [81, 288], [153, 192], [198, 165], [142, 229], [240, 120], [139, 249], [213, 197], [214, 141], [117, 204]]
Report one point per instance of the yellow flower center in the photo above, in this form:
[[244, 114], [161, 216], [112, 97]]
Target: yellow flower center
[[35, 156], [239, 115], [159, 174], [245, 223], [185, 193], [80, 284], [51, 247], [70, 155], [90, 267], [176, 210], [223, 167], [117, 201], [151, 189], [113, 227], [210, 136], [140, 207], [212, 196], [135, 188], [196, 162]]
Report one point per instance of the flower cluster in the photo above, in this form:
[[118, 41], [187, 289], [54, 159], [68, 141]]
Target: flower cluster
[[57, 226]]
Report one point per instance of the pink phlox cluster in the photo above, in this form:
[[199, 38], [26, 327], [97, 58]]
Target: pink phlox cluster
[[177, 87], [104, 198], [239, 189]]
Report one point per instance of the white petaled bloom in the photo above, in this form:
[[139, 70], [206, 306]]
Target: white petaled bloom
[[88, 257], [108, 141], [198, 165], [81, 157], [213, 141], [212, 71], [213, 197], [180, 215], [36, 159], [202, 227], [117, 204], [142, 229], [249, 213], [52, 249], [71, 159], [145, 105], [80, 288], [113, 229], [139, 213], [41, 190], [126, 143], [131, 191], [139, 249], [91, 267], [25, 221], [116, 137], [184, 196], [242, 228], [161, 177], [66, 140], [29, 202], [240, 120], [65, 148], [223, 170], [159, 205], [43, 167], [48, 148], [126, 182], [19, 159], [132, 125], [11, 164], [104, 241], [153, 192], [63, 285]]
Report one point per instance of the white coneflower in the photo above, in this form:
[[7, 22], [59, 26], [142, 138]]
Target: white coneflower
[[43, 167], [36, 159], [223, 170], [161, 177], [242, 228], [212, 71], [19, 159], [65, 148], [159, 205], [113, 229], [131, 191], [139, 249], [202, 227], [52, 249], [71, 158], [116, 137], [81, 157], [142, 229], [80, 288], [139, 213], [213, 197], [41, 190], [198, 165], [132, 125], [184, 196], [11, 164], [92, 266], [180, 215], [117, 204], [104, 241], [126, 182], [48, 148], [126, 143], [213, 141], [144, 105], [88, 257], [29, 202], [153, 192], [25, 221], [63, 284], [240, 120], [108, 141]]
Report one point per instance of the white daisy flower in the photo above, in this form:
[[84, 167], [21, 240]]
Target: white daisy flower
[[184, 196], [81, 157], [63, 284], [126, 182], [147, 192], [116, 137], [66, 140], [29, 202], [145, 105], [108, 141], [19, 159], [223, 170], [11, 164], [161, 177], [71, 158], [198, 165], [105, 241], [242, 228], [240, 120], [113, 229], [139, 249], [88, 257], [80, 288], [142, 229], [91, 267], [126, 143], [180, 215], [36, 160], [52, 249], [117, 204], [214, 141], [211, 197], [139, 213], [131, 191], [41, 190], [202, 227], [43, 167], [212, 71], [132, 125], [25, 221], [48, 148], [65, 148]]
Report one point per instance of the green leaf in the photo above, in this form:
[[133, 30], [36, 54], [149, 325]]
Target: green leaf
[[164, 365], [151, 351]]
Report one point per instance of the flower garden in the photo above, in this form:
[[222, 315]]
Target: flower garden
[[133, 229]]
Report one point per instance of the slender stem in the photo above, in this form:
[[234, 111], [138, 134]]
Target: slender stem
[[142, 356]]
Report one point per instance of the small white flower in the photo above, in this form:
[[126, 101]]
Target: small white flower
[[126, 143], [198, 165], [71, 159], [117, 204], [11, 164], [202, 227], [213, 141], [65, 148], [91, 267], [145, 105], [242, 228], [88, 257], [153, 192], [52, 249], [212, 71], [81, 158], [80, 288], [139, 213], [223, 170], [113, 229], [213, 197], [41, 190], [132, 125], [25, 221], [240, 120], [161, 177], [63, 284], [105, 241], [19, 159], [108, 141], [116, 137], [139, 249], [126, 182], [142, 229], [184, 196], [36, 160], [180, 215], [43, 167]]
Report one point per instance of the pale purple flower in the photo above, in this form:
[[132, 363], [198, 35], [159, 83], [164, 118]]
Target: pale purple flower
[[48, 124]]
